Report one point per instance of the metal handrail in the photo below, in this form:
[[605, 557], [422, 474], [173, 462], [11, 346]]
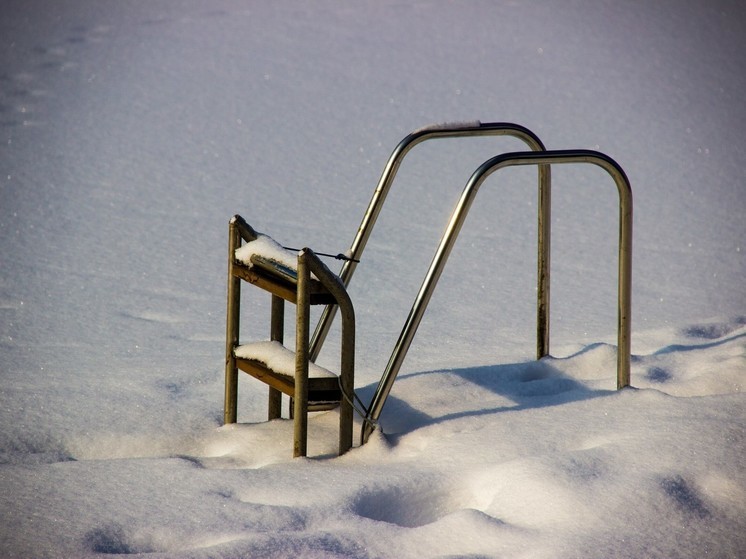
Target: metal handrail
[[384, 184], [309, 263], [449, 238]]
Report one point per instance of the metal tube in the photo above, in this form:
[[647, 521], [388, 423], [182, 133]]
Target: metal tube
[[454, 226], [277, 333], [237, 229], [347, 366], [543, 259], [303, 311], [384, 184], [231, 329]]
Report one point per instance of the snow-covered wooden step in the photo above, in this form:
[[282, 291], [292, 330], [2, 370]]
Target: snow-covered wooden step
[[274, 364], [267, 248], [280, 359], [267, 264]]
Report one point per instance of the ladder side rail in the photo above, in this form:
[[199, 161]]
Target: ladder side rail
[[384, 184], [347, 366], [238, 230], [277, 334], [448, 240], [300, 400], [232, 319]]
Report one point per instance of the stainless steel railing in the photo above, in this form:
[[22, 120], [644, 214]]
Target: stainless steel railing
[[542, 159], [453, 130]]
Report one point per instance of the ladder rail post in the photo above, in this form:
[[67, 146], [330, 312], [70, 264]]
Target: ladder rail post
[[543, 260], [231, 329], [300, 407], [277, 333], [347, 365], [449, 238], [384, 185], [624, 312], [238, 230]]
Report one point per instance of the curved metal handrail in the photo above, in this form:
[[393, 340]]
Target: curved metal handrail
[[309, 263], [384, 184], [449, 237]]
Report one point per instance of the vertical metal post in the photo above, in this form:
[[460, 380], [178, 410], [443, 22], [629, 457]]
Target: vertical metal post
[[347, 380], [231, 329], [277, 333], [624, 312], [543, 261], [303, 309], [347, 366]]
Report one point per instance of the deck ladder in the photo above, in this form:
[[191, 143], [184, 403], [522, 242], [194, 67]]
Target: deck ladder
[[331, 289]]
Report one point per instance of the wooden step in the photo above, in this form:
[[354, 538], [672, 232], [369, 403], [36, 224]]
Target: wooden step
[[274, 364], [279, 279]]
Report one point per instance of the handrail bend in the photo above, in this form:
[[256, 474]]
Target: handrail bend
[[452, 130], [449, 237]]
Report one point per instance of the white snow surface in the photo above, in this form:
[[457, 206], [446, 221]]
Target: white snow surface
[[278, 358], [266, 246], [133, 131]]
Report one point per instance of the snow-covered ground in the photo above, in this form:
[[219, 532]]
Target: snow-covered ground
[[130, 132]]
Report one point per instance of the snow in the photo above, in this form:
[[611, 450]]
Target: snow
[[278, 358], [266, 246], [131, 132]]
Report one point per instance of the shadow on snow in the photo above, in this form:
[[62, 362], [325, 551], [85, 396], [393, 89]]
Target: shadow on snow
[[520, 386]]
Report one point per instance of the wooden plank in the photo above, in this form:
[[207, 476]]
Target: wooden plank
[[275, 268], [319, 389], [279, 286], [282, 289]]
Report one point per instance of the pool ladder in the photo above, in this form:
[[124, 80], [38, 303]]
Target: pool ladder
[[537, 156]]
